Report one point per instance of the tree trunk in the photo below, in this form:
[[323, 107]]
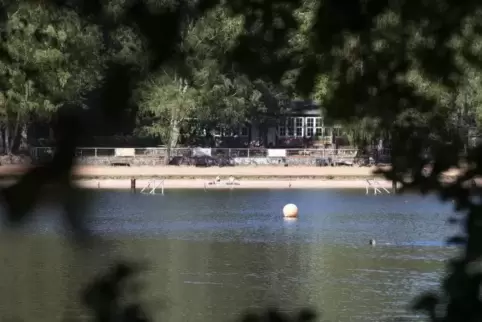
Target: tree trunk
[[20, 143], [7, 145], [15, 135], [394, 187], [176, 117], [2, 133], [174, 132]]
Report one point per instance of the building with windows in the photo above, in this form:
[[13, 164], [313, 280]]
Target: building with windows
[[303, 125], [243, 131]]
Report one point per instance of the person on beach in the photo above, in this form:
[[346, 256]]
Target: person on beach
[[217, 180]]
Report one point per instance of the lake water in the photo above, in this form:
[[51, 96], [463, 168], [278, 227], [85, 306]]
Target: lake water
[[214, 254]]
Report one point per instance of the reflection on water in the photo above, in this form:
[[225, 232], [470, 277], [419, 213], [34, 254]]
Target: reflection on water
[[214, 254]]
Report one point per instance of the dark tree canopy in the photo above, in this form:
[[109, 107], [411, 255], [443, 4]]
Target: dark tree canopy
[[407, 68]]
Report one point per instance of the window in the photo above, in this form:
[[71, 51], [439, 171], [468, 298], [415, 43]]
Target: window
[[224, 132], [290, 126], [319, 127], [310, 126], [244, 131], [299, 126], [282, 128], [282, 131]]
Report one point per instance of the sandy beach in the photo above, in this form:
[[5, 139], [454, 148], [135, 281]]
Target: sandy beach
[[249, 177], [211, 172]]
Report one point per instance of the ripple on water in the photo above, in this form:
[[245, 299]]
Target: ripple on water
[[225, 251]]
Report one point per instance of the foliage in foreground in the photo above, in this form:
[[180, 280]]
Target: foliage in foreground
[[404, 64]]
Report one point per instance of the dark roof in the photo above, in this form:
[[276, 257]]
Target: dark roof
[[298, 107], [304, 107]]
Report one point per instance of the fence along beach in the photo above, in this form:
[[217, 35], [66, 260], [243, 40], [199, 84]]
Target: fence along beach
[[113, 168], [217, 156]]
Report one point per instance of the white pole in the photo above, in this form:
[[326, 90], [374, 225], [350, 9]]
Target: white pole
[[146, 187], [368, 185]]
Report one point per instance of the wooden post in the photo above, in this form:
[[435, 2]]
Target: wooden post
[[394, 186], [133, 185]]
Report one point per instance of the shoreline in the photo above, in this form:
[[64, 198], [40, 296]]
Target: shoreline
[[248, 177], [202, 184], [125, 184], [191, 172]]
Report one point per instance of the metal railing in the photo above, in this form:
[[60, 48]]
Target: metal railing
[[83, 152]]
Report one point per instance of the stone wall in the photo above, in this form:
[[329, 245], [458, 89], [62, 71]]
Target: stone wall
[[137, 161]]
